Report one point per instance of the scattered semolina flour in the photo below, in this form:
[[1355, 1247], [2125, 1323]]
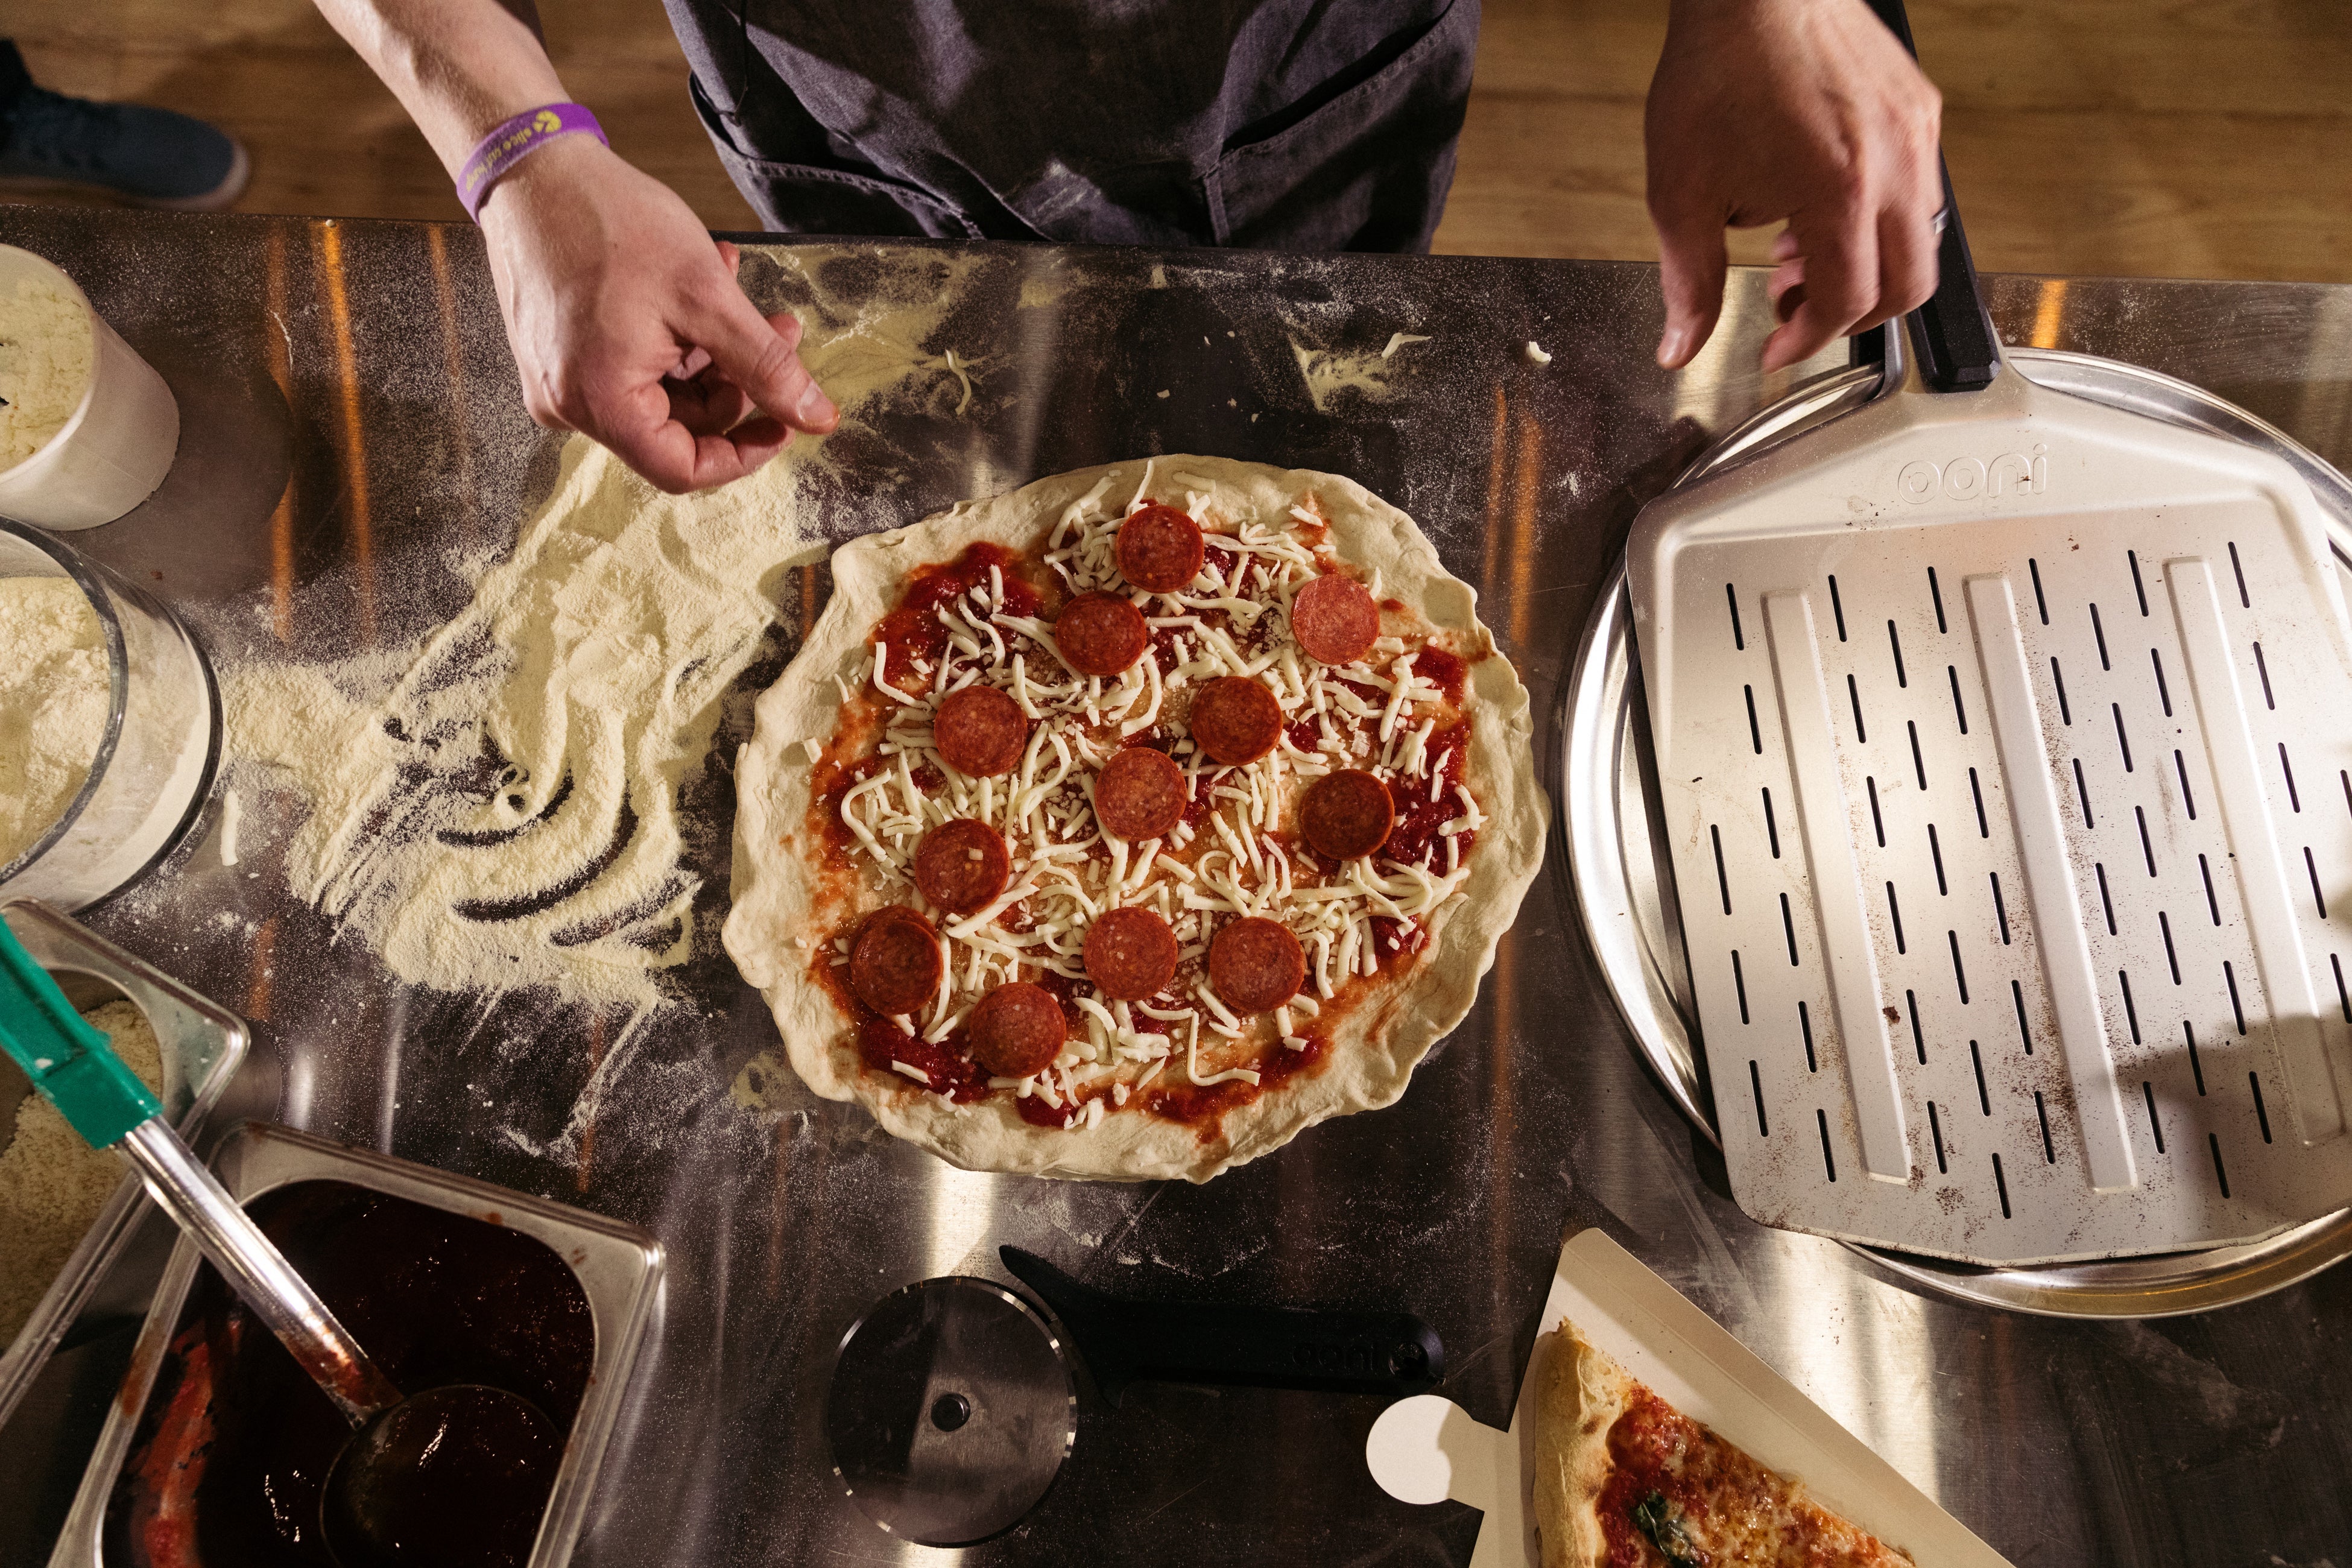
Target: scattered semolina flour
[[52, 1185], [503, 812], [54, 696], [45, 364]]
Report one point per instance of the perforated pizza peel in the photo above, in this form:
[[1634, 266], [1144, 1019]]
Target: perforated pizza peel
[[2005, 744], [1426, 1449]]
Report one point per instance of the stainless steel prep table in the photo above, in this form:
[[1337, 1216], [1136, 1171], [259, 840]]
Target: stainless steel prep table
[[313, 521]]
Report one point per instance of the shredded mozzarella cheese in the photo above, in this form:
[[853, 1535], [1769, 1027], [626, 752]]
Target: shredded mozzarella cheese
[[1233, 619]]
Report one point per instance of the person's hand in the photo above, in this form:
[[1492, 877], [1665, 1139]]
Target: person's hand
[[627, 324], [1807, 110]]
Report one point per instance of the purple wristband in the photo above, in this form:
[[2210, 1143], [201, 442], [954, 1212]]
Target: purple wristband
[[513, 141]]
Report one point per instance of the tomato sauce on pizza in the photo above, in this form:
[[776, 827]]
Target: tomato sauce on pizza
[[1192, 783], [1680, 1497]]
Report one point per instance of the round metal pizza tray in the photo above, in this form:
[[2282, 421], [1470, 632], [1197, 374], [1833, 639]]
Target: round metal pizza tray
[[1625, 884]]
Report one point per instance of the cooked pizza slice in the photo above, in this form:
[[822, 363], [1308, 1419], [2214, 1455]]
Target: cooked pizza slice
[[1625, 1480]]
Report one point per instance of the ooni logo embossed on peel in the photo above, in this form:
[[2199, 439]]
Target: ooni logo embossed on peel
[[1968, 479]]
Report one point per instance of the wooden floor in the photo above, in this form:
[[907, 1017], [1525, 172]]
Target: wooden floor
[[2167, 138]]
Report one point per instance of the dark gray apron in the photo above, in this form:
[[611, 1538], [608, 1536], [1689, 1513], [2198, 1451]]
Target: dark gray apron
[[1284, 124]]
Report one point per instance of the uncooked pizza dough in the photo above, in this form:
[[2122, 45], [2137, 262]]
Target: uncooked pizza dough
[[796, 887], [55, 693]]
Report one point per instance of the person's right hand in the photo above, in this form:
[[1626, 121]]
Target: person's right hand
[[627, 324], [1807, 110]]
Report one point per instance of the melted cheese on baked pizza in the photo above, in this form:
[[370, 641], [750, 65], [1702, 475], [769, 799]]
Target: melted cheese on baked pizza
[[1682, 1496]]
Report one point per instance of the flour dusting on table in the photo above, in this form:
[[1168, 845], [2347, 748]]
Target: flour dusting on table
[[497, 807], [505, 814], [1330, 372]]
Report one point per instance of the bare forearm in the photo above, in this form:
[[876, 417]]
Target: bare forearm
[[1688, 14], [458, 66]]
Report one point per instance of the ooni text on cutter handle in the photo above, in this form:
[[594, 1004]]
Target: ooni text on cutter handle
[[1123, 1341]]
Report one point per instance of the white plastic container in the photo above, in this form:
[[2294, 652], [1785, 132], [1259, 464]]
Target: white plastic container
[[123, 436]]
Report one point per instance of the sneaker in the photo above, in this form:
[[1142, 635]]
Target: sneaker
[[150, 157]]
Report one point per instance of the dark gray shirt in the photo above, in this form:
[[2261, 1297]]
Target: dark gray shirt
[[1294, 124]]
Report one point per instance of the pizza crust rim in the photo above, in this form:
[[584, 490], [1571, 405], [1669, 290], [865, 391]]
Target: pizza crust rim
[[1373, 1049], [1581, 1393]]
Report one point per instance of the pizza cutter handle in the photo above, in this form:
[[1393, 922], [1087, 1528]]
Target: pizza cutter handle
[[1123, 1341], [1958, 349]]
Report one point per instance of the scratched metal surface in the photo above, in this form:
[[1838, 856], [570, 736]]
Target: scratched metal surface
[[348, 408]]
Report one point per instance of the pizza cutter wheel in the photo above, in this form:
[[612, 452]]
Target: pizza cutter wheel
[[953, 1408], [951, 1411]]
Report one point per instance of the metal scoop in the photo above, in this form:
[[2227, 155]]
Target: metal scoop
[[424, 1479]]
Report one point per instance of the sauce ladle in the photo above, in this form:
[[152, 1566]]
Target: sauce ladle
[[438, 1478]]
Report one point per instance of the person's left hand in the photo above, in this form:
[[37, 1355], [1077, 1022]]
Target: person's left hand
[[1807, 110]]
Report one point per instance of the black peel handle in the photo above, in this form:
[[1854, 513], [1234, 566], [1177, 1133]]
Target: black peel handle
[[1958, 351], [1123, 1341]]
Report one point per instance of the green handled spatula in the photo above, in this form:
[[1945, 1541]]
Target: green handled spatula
[[75, 1068], [411, 1464]]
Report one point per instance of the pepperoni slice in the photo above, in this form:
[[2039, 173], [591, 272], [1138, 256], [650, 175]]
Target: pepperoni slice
[[896, 965], [1347, 813], [1140, 794], [1130, 953], [981, 731], [1334, 619], [1159, 549], [1017, 1029], [1100, 633], [1255, 965], [961, 865], [1237, 720]]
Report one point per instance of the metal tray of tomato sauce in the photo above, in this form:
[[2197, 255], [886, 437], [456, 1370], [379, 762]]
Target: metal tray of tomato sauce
[[133, 1506]]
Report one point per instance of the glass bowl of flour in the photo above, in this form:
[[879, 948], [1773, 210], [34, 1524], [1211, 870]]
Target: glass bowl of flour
[[109, 724], [87, 429]]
